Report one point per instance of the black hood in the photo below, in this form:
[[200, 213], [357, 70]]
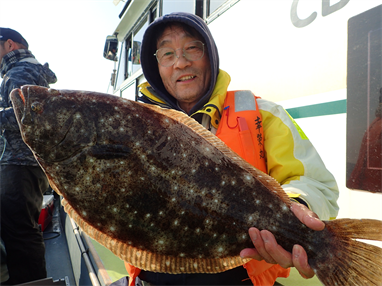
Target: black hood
[[150, 64]]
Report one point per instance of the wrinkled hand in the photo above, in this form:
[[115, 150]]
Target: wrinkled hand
[[266, 247]]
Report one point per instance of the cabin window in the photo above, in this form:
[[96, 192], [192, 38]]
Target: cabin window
[[135, 53], [129, 91], [170, 6], [213, 5], [122, 68], [364, 102], [153, 14], [129, 69]]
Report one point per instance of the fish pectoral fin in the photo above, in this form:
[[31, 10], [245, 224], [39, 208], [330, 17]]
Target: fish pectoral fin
[[110, 151]]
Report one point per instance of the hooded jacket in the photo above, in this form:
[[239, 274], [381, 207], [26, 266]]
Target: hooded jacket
[[18, 68], [150, 64]]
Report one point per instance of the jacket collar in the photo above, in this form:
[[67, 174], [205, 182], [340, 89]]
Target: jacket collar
[[10, 59]]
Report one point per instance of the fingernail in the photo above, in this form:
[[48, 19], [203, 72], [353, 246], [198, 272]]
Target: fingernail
[[296, 251], [241, 255], [264, 236], [254, 236]]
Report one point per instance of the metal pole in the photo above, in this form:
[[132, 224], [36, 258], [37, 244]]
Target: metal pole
[[92, 275]]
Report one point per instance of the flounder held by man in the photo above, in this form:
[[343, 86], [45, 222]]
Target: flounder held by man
[[166, 195]]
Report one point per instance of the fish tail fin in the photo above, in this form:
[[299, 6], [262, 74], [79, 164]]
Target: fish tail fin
[[348, 261]]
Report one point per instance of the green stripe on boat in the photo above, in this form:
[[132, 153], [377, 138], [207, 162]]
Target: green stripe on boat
[[327, 108]]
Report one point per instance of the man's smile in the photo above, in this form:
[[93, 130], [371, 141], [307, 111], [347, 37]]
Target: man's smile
[[185, 78]]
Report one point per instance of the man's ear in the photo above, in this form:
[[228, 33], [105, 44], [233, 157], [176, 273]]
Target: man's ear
[[11, 45]]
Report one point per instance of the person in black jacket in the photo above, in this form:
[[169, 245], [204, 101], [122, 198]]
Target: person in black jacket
[[22, 181]]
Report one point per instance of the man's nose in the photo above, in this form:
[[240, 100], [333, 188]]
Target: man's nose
[[181, 61]]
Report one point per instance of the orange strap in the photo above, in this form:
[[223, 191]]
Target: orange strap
[[262, 273], [241, 127], [133, 273]]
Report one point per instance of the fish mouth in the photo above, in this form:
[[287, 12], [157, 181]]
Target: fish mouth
[[22, 99], [18, 102], [51, 135]]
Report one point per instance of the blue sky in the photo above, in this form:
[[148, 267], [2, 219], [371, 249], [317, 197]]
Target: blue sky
[[69, 35]]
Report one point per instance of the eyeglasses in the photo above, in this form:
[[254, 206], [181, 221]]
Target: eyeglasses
[[192, 51]]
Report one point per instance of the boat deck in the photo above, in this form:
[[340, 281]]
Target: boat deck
[[73, 258], [58, 262]]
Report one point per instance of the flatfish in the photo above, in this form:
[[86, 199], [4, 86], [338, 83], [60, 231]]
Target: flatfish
[[166, 195]]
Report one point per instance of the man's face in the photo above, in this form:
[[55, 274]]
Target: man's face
[[187, 81], [3, 51], [6, 47]]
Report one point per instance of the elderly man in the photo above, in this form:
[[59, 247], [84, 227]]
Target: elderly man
[[22, 181], [181, 64]]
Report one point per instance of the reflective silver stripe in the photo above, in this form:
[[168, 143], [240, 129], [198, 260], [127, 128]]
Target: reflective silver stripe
[[29, 60], [244, 100]]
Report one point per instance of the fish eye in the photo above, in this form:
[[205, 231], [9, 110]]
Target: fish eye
[[36, 107]]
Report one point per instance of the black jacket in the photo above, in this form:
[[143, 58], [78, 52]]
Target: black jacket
[[18, 68]]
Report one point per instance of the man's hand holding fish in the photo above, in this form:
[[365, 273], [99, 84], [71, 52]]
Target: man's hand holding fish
[[267, 248]]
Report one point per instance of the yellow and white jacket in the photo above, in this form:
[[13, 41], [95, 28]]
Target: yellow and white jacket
[[291, 158]]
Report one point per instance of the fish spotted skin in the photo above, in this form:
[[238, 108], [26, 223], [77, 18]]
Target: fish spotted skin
[[173, 187], [156, 181]]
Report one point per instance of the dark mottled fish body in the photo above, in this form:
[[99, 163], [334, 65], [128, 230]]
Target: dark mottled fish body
[[166, 195]]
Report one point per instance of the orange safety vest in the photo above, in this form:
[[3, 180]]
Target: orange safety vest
[[241, 129]]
